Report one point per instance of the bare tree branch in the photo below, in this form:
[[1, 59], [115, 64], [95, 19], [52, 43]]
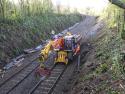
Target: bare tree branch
[[118, 3]]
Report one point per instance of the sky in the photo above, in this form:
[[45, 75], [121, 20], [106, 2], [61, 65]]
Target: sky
[[80, 4], [97, 4]]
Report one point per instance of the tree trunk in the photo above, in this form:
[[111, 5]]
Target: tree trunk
[[2, 11], [28, 7]]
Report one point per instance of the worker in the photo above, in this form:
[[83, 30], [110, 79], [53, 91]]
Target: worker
[[77, 49], [52, 34]]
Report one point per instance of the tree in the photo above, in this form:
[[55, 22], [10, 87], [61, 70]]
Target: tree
[[118, 3], [2, 8]]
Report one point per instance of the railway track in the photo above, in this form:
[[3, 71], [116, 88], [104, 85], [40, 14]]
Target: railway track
[[14, 80], [46, 86], [9, 74], [13, 84], [2, 83]]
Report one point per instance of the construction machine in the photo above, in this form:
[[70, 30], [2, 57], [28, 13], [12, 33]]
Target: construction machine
[[65, 46]]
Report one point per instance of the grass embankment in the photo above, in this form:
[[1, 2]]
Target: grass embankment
[[110, 70], [18, 34], [104, 70]]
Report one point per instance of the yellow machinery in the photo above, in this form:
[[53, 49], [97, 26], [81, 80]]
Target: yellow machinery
[[45, 52], [62, 55], [63, 51]]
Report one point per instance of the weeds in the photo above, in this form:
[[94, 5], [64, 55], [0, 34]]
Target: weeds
[[29, 32], [111, 91], [102, 68]]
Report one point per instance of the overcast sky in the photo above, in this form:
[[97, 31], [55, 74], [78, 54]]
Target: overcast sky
[[97, 4], [81, 3]]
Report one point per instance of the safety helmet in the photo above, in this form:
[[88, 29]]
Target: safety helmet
[[53, 32], [68, 33]]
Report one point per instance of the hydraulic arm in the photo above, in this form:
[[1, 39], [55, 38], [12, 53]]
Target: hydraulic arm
[[45, 52]]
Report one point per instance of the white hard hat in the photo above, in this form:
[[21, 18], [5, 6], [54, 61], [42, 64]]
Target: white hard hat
[[53, 32]]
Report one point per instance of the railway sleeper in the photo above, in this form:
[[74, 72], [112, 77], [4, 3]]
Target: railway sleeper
[[51, 80], [48, 85], [43, 89], [39, 92]]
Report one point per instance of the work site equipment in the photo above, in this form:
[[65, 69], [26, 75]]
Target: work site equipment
[[65, 47]]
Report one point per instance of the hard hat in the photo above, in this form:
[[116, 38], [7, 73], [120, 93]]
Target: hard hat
[[68, 33], [53, 32]]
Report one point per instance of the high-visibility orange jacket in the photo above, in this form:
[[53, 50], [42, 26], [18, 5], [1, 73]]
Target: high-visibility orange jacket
[[77, 49], [58, 43]]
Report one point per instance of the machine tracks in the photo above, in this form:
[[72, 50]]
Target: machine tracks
[[46, 86]]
